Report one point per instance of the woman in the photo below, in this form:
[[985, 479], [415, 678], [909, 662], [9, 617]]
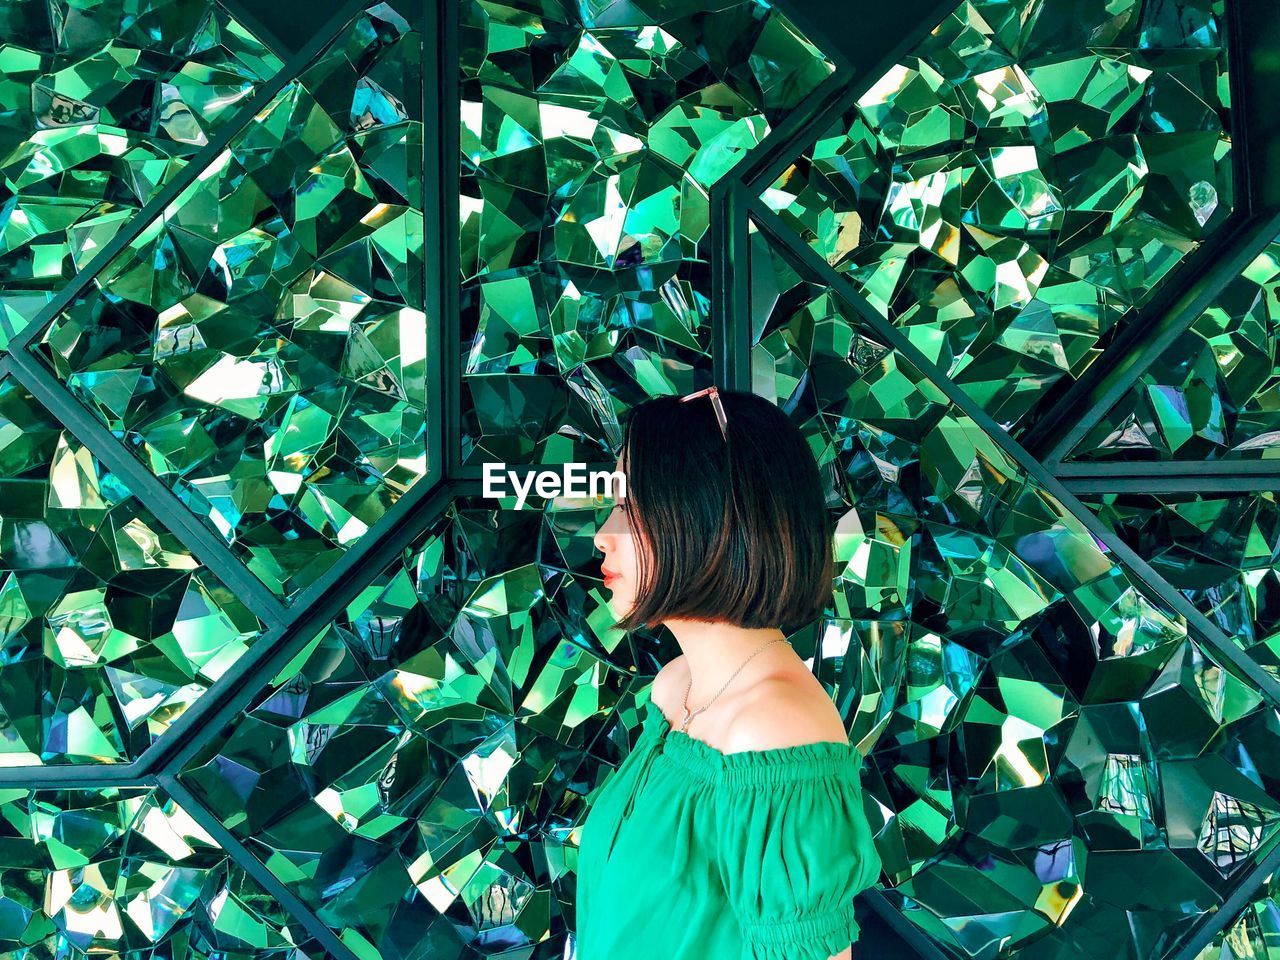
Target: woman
[[735, 828]]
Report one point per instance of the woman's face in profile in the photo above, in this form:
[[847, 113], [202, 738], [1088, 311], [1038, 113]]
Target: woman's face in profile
[[620, 566]]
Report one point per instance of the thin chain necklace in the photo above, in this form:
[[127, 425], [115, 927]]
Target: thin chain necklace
[[688, 717]]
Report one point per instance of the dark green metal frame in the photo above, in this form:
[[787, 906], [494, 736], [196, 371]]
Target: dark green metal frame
[[860, 57]]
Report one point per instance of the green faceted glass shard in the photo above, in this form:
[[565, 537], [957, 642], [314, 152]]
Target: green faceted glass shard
[[1043, 731], [386, 772], [261, 346], [590, 139], [1222, 552], [120, 871], [101, 104], [1030, 173], [110, 628], [1253, 934], [1212, 395]]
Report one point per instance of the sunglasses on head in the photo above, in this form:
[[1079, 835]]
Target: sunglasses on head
[[716, 405]]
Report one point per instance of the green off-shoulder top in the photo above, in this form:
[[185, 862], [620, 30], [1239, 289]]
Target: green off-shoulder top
[[687, 852]]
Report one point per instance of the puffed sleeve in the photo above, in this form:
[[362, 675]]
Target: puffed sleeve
[[792, 854]]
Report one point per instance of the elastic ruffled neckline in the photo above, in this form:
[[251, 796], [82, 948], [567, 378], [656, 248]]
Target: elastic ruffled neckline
[[798, 762]]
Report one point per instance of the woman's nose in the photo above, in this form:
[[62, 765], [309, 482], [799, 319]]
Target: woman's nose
[[603, 538]]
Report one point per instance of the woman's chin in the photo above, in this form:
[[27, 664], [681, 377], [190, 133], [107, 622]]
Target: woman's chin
[[619, 605]]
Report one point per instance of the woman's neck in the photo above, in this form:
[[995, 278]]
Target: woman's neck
[[714, 651]]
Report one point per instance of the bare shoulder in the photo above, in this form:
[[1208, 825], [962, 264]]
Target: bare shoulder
[[785, 711], [668, 685]]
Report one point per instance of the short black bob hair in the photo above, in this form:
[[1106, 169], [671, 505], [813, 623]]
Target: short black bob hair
[[761, 557]]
